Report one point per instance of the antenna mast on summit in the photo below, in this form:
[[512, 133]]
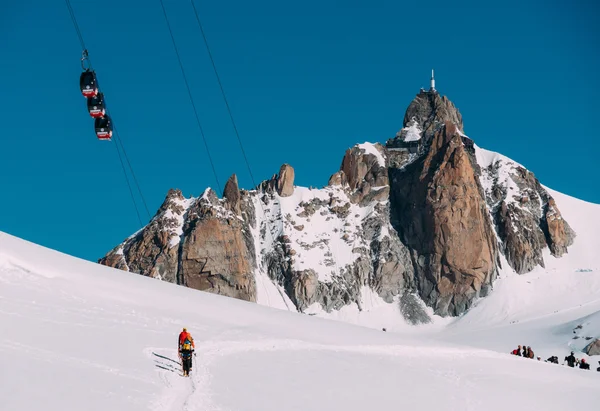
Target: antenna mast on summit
[[432, 82]]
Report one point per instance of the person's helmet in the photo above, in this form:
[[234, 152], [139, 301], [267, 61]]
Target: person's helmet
[[571, 352], [184, 329], [519, 346], [583, 360]]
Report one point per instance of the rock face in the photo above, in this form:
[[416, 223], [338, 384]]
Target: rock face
[[420, 221], [364, 173], [559, 234], [526, 217], [154, 250], [201, 243], [441, 215], [215, 254], [593, 348]]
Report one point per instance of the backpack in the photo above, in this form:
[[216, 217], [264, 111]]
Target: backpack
[[514, 352], [187, 345]]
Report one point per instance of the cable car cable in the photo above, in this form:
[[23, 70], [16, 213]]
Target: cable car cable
[[187, 85], [237, 134], [137, 211], [235, 129], [72, 13], [85, 56], [135, 180]]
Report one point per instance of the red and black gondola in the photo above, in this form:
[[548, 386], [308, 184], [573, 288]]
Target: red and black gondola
[[104, 128], [88, 83], [95, 106]]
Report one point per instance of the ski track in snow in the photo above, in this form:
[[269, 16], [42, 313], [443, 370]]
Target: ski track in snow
[[195, 393]]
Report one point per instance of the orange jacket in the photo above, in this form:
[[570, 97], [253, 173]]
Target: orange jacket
[[182, 336]]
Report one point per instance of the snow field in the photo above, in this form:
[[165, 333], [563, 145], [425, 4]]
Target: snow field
[[78, 333]]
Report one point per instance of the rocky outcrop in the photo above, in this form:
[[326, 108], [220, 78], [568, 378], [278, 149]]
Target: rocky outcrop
[[419, 222], [285, 181], [559, 233], [526, 217], [199, 243], [440, 214], [215, 254], [232, 196], [593, 348], [153, 251], [364, 174]]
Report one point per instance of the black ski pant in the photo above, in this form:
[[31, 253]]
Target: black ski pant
[[186, 359]]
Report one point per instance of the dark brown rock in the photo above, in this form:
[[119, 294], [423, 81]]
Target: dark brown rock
[[440, 214]]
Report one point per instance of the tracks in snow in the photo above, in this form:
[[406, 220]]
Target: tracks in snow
[[196, 394]]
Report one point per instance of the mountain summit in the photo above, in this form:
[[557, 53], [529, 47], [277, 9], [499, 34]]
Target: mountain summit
[[426, 221]]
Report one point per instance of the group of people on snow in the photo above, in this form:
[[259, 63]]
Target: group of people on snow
[[570, 360], [527, 352]]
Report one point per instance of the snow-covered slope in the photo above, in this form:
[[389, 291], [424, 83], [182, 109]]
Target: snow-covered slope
[[76, 335]]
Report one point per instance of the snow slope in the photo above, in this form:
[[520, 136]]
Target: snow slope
[[77, 335]]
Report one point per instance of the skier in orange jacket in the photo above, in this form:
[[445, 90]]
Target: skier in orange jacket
[[183, 335], [186, 348]]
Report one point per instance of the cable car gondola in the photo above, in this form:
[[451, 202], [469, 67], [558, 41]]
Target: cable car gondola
[[95, 106], [88, 83], [104, 128]]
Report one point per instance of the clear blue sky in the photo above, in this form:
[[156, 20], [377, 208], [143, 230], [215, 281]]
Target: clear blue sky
[[305, 80]]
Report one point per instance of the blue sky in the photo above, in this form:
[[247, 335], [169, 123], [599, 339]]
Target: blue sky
[[305, 81]]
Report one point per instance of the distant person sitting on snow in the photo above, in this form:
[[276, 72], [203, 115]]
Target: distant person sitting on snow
[[553, 359], [186, 349], [571, 360], [530, 353], [525, 352], [598, 369], [517, 351], [584, 365]]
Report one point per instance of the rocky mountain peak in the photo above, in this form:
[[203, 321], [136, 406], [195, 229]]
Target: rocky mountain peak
[[431, 111], [420, 221], [427, 113]]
